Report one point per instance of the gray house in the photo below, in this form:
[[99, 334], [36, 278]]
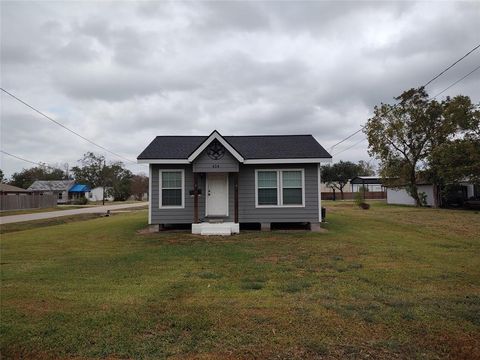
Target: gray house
[[58, 188], [216, 182]]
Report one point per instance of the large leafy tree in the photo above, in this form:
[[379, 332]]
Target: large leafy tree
[[139, 186], [366, 168], [114, 178], [337, 175], [456, 161], [27, 177], [91, 170], [404, 135], [119, 181]]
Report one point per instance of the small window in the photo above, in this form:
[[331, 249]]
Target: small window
[[60, 196], [171, 183], [292, 187], [267, 188]]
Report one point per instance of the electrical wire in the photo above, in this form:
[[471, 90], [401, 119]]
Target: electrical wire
[[423, 86], [65, 127]]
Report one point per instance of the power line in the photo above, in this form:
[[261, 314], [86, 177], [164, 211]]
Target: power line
[[455, 63], [29, 161], [352, 146], [456, 82], [423, 86], [348, 137], [441, 92], [66, 128]]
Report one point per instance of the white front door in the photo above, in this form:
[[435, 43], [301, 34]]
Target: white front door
[[217, 194]]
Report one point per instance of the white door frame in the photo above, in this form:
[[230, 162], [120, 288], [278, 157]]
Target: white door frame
[[206, 195]]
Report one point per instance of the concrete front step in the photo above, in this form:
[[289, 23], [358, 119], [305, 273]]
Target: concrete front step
[[227, 228]]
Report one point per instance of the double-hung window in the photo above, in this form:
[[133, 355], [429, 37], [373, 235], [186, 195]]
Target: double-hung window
[[292, 187], [280, 188], [267, 182], [171, 188]]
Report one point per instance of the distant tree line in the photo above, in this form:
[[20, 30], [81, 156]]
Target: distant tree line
[[92, 170], [336, 176]]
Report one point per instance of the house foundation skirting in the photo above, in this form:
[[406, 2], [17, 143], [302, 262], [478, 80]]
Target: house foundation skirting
[[223, 228]]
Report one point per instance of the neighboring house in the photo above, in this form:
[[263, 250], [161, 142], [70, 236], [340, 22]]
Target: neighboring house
[[96, 194], [217, 182], [59, 188], [400, 196], [15, 198], [78, 191], [6, 189], [63, 190]]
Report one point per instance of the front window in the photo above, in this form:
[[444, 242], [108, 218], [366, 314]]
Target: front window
[[60, 196], [267, 188], [171, 186], [292, 187], [280, 188]]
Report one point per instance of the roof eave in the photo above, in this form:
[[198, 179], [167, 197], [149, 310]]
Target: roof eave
[[246, 162]]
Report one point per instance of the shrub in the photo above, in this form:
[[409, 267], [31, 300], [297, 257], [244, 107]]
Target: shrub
[[358, 198], [80, 201]]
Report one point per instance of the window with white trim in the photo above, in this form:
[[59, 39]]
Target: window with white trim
[[267, 187], [292, 188], [280, 188], [171, 188]]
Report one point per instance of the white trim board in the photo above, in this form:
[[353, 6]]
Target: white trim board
[[150, 194], [280, 189], [160, 189], [163, 161], [246, 162], [319, 190], [215, 136], [288, 161]]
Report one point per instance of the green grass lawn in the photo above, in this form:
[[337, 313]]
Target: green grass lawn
[[33, 211], [389, 282]]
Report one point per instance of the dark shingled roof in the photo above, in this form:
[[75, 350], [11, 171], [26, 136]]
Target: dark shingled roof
[[250, 147]]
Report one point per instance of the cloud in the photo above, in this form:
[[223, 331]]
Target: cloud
[[122, 73]]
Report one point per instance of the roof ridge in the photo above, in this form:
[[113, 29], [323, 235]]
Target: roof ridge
[[206, 136], [277, 135]]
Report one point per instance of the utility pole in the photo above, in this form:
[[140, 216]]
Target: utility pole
[[103, 181]]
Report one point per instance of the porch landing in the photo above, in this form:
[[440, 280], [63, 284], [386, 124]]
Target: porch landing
[[224, 228]]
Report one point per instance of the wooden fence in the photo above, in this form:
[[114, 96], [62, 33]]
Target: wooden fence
[[369, 195], [27, 201]]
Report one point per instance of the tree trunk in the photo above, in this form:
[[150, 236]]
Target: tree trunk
[[436, 196], [414, 189], [341, 193]]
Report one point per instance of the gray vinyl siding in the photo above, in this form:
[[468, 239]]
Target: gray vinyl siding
[[246, 194], [226, 164], [184, 215], [171, 216], [246, 197]]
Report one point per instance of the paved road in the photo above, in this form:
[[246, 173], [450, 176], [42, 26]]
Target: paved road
[[59, 213]]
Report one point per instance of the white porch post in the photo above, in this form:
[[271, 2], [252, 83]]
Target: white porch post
[[319, 195]]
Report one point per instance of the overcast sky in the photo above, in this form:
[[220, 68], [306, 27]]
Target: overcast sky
[[121, 73]]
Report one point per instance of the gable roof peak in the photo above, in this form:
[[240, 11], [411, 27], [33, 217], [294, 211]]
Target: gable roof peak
[[215, 135]]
